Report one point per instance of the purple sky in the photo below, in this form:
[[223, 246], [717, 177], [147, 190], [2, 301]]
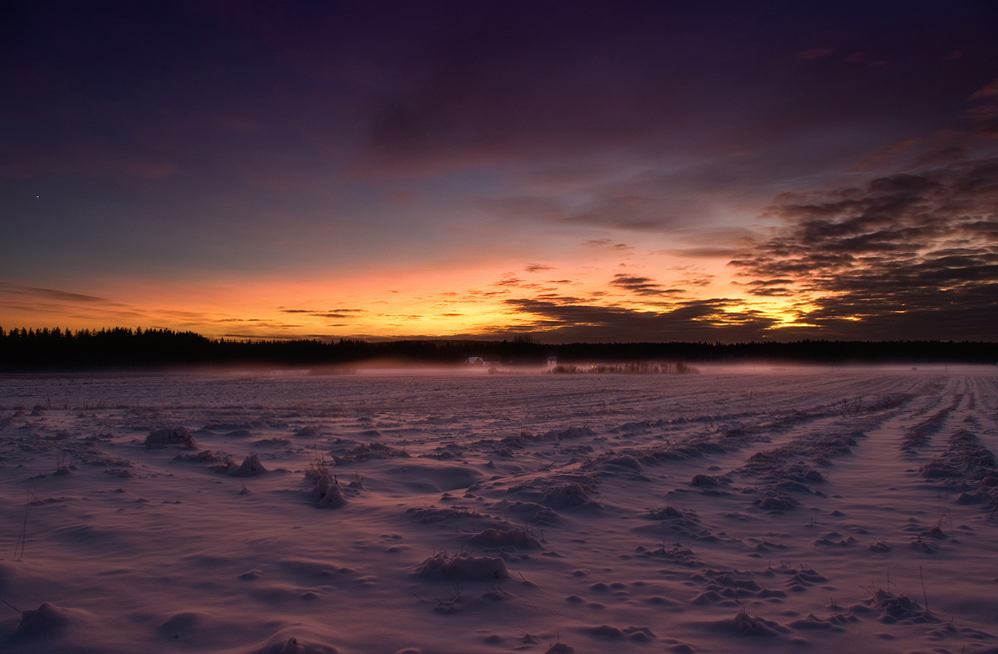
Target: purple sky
[[599, 171]]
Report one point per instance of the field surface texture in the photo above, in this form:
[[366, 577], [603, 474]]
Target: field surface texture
[[748, 510]]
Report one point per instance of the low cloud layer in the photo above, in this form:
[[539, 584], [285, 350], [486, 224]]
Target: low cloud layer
[[570, 320]]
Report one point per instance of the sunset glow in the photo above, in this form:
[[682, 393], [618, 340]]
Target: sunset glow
[[648, 172]]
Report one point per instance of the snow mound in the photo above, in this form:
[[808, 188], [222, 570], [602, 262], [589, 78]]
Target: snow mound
[[294, 646], [47, 620], [250, 467], [175, 437], [429, 476], [569, 495], [747, 625], [463, 566], [898, 608], [327, 493], [514, 537]]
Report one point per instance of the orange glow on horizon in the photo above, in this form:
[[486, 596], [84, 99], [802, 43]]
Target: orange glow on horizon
[[458, 298]]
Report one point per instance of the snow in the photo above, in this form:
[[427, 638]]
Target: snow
[[739, 509]]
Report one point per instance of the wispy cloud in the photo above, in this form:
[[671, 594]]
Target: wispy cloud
[[15, 290], [327, 313]]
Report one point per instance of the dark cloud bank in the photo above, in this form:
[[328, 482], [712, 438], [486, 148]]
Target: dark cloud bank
[[912, 256]]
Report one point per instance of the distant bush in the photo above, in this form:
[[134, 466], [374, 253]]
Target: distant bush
[[679, 368]]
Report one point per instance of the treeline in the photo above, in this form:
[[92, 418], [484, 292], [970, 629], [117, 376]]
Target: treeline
[[122, 348], [58, 349]]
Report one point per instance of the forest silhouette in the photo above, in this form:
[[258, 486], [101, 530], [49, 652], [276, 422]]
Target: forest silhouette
[[124, 348]]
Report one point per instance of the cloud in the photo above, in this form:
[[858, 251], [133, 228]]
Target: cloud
[[47, 294], [606, 82], [537, 267], [150, 169], [706, 252], [913, 255], [567, 320], [815, 53], [684, 195], [865, 58], [400, 198], [984, 114], [942, 155], [989, 91], [641, 285], [329, 313], [508, 279], [524, 207], [602, 243], [38, 306], [985, 119], [880, 159]]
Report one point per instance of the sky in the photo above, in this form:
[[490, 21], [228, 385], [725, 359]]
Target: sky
[[566, 171]]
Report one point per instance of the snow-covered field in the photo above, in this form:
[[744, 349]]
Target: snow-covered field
[[756, 510]]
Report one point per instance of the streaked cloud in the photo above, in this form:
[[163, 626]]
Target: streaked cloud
[[30, 292]]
